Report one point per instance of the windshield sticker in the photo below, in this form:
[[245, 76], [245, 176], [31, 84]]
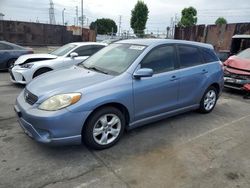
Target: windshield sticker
[[135, 47]]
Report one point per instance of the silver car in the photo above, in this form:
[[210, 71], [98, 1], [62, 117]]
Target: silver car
[[30, 66]]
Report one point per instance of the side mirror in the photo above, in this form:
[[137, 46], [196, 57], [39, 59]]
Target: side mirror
[[73, 55], [144, 72]]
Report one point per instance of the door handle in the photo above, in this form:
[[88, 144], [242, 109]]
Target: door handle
[[174, 78], [204, 71]]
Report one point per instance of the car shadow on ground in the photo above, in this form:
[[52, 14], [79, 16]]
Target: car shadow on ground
[[155, 135], [234, 92], [143, 139]]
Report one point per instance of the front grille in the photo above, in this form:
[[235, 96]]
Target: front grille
[[29, 97], [237, 76]]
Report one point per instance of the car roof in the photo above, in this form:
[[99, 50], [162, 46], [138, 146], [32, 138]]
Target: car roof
[[88, 43], [156, 42], [241, 37], [11, 44]]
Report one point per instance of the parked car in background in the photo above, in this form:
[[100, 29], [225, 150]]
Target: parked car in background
[[238, 44], [125, 85], [237, 71], [9, 52], [28, 67]]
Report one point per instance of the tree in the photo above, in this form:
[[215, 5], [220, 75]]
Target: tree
[[139, 17], [220, 21], [104, 26], [188, 17]]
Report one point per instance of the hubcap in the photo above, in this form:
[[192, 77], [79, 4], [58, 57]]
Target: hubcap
[[107, 129], [210, 100]]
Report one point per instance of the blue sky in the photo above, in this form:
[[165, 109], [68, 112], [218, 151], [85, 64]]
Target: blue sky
[[160, 14]]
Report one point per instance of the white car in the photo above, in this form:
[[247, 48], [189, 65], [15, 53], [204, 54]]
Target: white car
[[27, 67]]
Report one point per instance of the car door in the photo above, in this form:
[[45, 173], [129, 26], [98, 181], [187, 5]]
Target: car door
[[159, 93], [193, 75]]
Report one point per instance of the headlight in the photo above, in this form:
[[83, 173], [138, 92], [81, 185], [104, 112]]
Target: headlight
[[27, 66], [58, 102]]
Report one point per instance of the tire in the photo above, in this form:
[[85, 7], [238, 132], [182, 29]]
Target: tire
[[10, 63], [99, 122], [208, 100], [41, 71]]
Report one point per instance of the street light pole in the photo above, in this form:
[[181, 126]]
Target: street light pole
[[82, 15], [63, 15]]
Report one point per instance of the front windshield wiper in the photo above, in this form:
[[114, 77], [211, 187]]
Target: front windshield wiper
[[95, 69]]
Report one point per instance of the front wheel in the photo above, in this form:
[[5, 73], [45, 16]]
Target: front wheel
[[208, 100], [104, 128]]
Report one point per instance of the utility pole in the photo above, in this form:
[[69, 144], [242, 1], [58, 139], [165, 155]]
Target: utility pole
[[120, 23], [77, 17], [82, 14], [171, 26], [63, 16], [168, 29]]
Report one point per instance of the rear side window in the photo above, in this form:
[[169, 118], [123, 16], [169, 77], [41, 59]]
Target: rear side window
[[189, 56], [96, 48], [5, 47], [209, 55], [87, 50], [161, 59]]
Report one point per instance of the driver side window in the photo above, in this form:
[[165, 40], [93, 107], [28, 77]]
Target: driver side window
[[160, 59]]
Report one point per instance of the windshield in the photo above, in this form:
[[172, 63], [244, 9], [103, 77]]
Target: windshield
[[245, 54], [114, 59], [63, 50]]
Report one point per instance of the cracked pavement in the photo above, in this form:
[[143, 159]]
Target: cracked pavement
[[190, 150]]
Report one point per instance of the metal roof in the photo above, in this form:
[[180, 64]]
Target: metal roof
[[88, 43], [155, 42], [241, 37]]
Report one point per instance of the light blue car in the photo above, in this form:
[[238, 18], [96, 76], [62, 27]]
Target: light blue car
[[125, 85]]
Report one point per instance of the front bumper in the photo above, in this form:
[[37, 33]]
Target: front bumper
[[20, 75], [61, 127], [234, 83]]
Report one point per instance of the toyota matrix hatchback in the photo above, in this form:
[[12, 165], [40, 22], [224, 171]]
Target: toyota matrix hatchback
[[125, 85]]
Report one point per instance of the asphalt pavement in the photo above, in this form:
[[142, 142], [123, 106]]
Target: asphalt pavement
[[191, 150]]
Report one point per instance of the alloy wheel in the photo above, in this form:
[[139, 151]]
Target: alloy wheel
[[106, 129], [210, 100]]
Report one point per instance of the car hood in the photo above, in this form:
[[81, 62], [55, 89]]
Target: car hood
[[73, 79], [237, 65], [34, 58]]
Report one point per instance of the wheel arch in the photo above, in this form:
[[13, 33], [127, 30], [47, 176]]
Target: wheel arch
[[40, 68], [117, 105], [216, 86]]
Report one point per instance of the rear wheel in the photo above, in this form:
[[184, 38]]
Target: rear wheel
[[104, 128], [41, 71], [208, 100]]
